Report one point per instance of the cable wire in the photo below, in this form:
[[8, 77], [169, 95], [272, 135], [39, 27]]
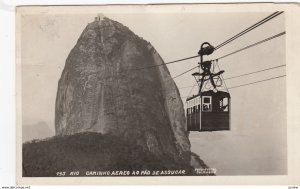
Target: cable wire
[[222, 44], [229, 54], [256, 82], [184, 72], [192, 88], [186, 87], [251, 83], [252, 45], [242, 49], [268, 18], [249, 73], [175, 61], [222, 76]]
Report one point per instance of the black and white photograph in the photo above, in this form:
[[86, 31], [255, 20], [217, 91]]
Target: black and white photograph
[[151, 91]]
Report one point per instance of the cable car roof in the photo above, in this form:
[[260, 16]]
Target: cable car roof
[[210, 93]]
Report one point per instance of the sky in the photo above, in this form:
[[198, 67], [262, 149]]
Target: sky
[[256, 143]]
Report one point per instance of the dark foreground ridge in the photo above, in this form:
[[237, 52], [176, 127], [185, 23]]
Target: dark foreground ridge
[[87, 153]]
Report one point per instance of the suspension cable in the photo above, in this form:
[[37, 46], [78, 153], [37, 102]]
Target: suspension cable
[[268, 18], [222, 76], [222, 44], [249, 73], [237, 51], [256, 82], [260, 81], [184, 72], [153, 66], [252, 45], [192, 88]]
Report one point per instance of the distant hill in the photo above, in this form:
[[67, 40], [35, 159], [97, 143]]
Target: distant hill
[[39, 130], [92, 152]]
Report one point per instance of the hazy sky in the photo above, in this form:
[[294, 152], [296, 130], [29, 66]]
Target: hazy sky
[[48, 39], [258, 111]]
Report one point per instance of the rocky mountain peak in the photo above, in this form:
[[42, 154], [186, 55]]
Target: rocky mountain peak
[[102, 90]]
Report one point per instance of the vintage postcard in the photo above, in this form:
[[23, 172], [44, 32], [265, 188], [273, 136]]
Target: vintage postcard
[[153, 94]]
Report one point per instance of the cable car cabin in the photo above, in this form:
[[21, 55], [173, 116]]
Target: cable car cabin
[[208, 111]]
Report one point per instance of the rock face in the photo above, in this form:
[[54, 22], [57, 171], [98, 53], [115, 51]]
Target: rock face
[[103, 90]]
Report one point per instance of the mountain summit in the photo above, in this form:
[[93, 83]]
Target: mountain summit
[[104, 88]]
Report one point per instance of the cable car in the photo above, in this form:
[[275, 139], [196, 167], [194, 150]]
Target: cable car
[[209, 110]]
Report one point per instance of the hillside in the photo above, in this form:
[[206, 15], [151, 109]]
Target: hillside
[[92, 152]]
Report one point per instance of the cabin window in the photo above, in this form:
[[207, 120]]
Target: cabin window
[[206, 99], [206, 106], [224, 104]]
